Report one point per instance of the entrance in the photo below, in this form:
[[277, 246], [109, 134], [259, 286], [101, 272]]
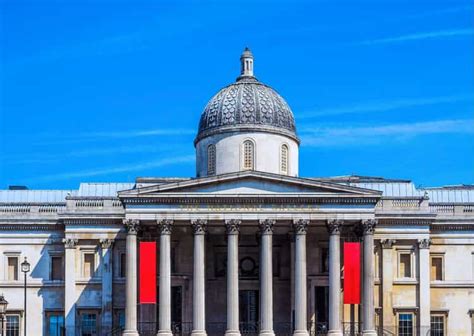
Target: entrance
[[177, 310], [321, 308], [248, 311]]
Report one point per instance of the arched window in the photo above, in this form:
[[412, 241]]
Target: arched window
[[284, 159], [249, 155], [211, 160]]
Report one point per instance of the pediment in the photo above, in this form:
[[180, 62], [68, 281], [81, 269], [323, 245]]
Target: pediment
[[249, 183]]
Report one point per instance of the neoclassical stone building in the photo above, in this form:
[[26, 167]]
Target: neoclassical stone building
[[245, 247]]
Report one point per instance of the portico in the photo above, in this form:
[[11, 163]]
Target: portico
[[261, 228]]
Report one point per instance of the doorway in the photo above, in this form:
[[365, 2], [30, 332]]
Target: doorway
[[248, 311]]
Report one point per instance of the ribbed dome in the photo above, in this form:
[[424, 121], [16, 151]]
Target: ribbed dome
[[247, 104]]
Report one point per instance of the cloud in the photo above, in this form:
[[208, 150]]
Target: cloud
[[119, 169], [385, 105], [350, 136], [420, 36]]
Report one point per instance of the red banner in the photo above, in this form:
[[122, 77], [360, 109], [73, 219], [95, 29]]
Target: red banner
[[147, 272], [352, 273]]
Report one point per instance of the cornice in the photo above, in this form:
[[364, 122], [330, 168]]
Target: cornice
[[31, 227], [94, 221]]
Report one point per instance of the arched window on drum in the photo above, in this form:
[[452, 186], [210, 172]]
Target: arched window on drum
[[284, 153], [211, 160], [249, 155]]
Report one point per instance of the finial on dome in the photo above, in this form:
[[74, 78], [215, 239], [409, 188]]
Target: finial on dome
[[246, 63]]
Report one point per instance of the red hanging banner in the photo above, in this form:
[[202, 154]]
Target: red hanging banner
[[351, 273], [147, 272]]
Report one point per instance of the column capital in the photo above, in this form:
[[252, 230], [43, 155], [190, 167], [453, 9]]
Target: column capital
[[424, 243], [266, 226], [199, 226], [106, 243], [232, 226], [165, 226], [334, 226], [387, 243], [131, 225], [368, 226], [70, 243], [300, 226]]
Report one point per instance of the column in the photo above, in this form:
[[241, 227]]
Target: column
[[199, 278], [334, 230], [301, 326], [232, 229], [70, 285], [164, 227], [266, 278], [424, 267], [131, 281], [368, 309], [387, 282], [106, 255]]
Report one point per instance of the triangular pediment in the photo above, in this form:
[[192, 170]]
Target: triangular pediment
[[249, 183]]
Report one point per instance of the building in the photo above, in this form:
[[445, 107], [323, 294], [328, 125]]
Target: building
[[246, 247]]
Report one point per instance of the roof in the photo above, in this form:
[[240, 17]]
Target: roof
[[35, 196], [102, 189]]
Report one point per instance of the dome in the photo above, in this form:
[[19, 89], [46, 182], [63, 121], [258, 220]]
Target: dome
[[247, 105]]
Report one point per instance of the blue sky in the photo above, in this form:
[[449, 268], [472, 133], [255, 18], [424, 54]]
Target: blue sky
[[111, 90]]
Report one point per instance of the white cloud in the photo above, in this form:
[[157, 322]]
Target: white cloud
[[420, 36], [120, 169], [350, 136], [385, 105]]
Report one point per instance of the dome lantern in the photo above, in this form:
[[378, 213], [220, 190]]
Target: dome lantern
[[246, 64]]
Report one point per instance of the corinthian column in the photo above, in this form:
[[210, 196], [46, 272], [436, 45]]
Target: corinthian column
[[301, 326], [368, 310], [70, 285], [334, 230], [131, 281], [232, 229], [266, 278], [165, 226], [199, 306]]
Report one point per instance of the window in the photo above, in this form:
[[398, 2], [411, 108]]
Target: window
[[13, 325], [56, 324], [89, 265], [405, 324], [12, 268], [404, 265], [89, 324], [119, 318], [211, 160], [249, 155], [284, 159], [57, 268], [436, 268], [123, 265], [324, 260], [437, 325]]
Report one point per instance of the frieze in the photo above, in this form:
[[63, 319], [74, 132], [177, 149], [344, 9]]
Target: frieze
[[31, 227]]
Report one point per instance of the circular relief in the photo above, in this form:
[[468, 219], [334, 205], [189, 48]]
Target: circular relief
[[247, 266]]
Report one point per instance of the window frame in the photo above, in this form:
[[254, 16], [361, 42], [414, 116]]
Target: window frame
[[413, 321], [211, 160], [253, 156], [411, 253], [12, 254], [20, 322], [47, 324], [94, 252], [444, 315], [95, 312], [441, 256], [286, 161], [55, 254]]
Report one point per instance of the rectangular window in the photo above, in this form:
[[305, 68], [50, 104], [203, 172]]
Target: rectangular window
[[404, 270], [13, 325], [405, 324], [123, 265], [12, 268], [436, 268], [89, 324], [56, 324], [324, 260], [437, 325], [119, 319], [57, 268], [89, 265]]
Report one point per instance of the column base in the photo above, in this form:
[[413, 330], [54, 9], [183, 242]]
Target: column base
[[301, 333], [369, 333], [232, 333], [198, 333], [334, 333], [130, 333], [266, 333], [164, 333]]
